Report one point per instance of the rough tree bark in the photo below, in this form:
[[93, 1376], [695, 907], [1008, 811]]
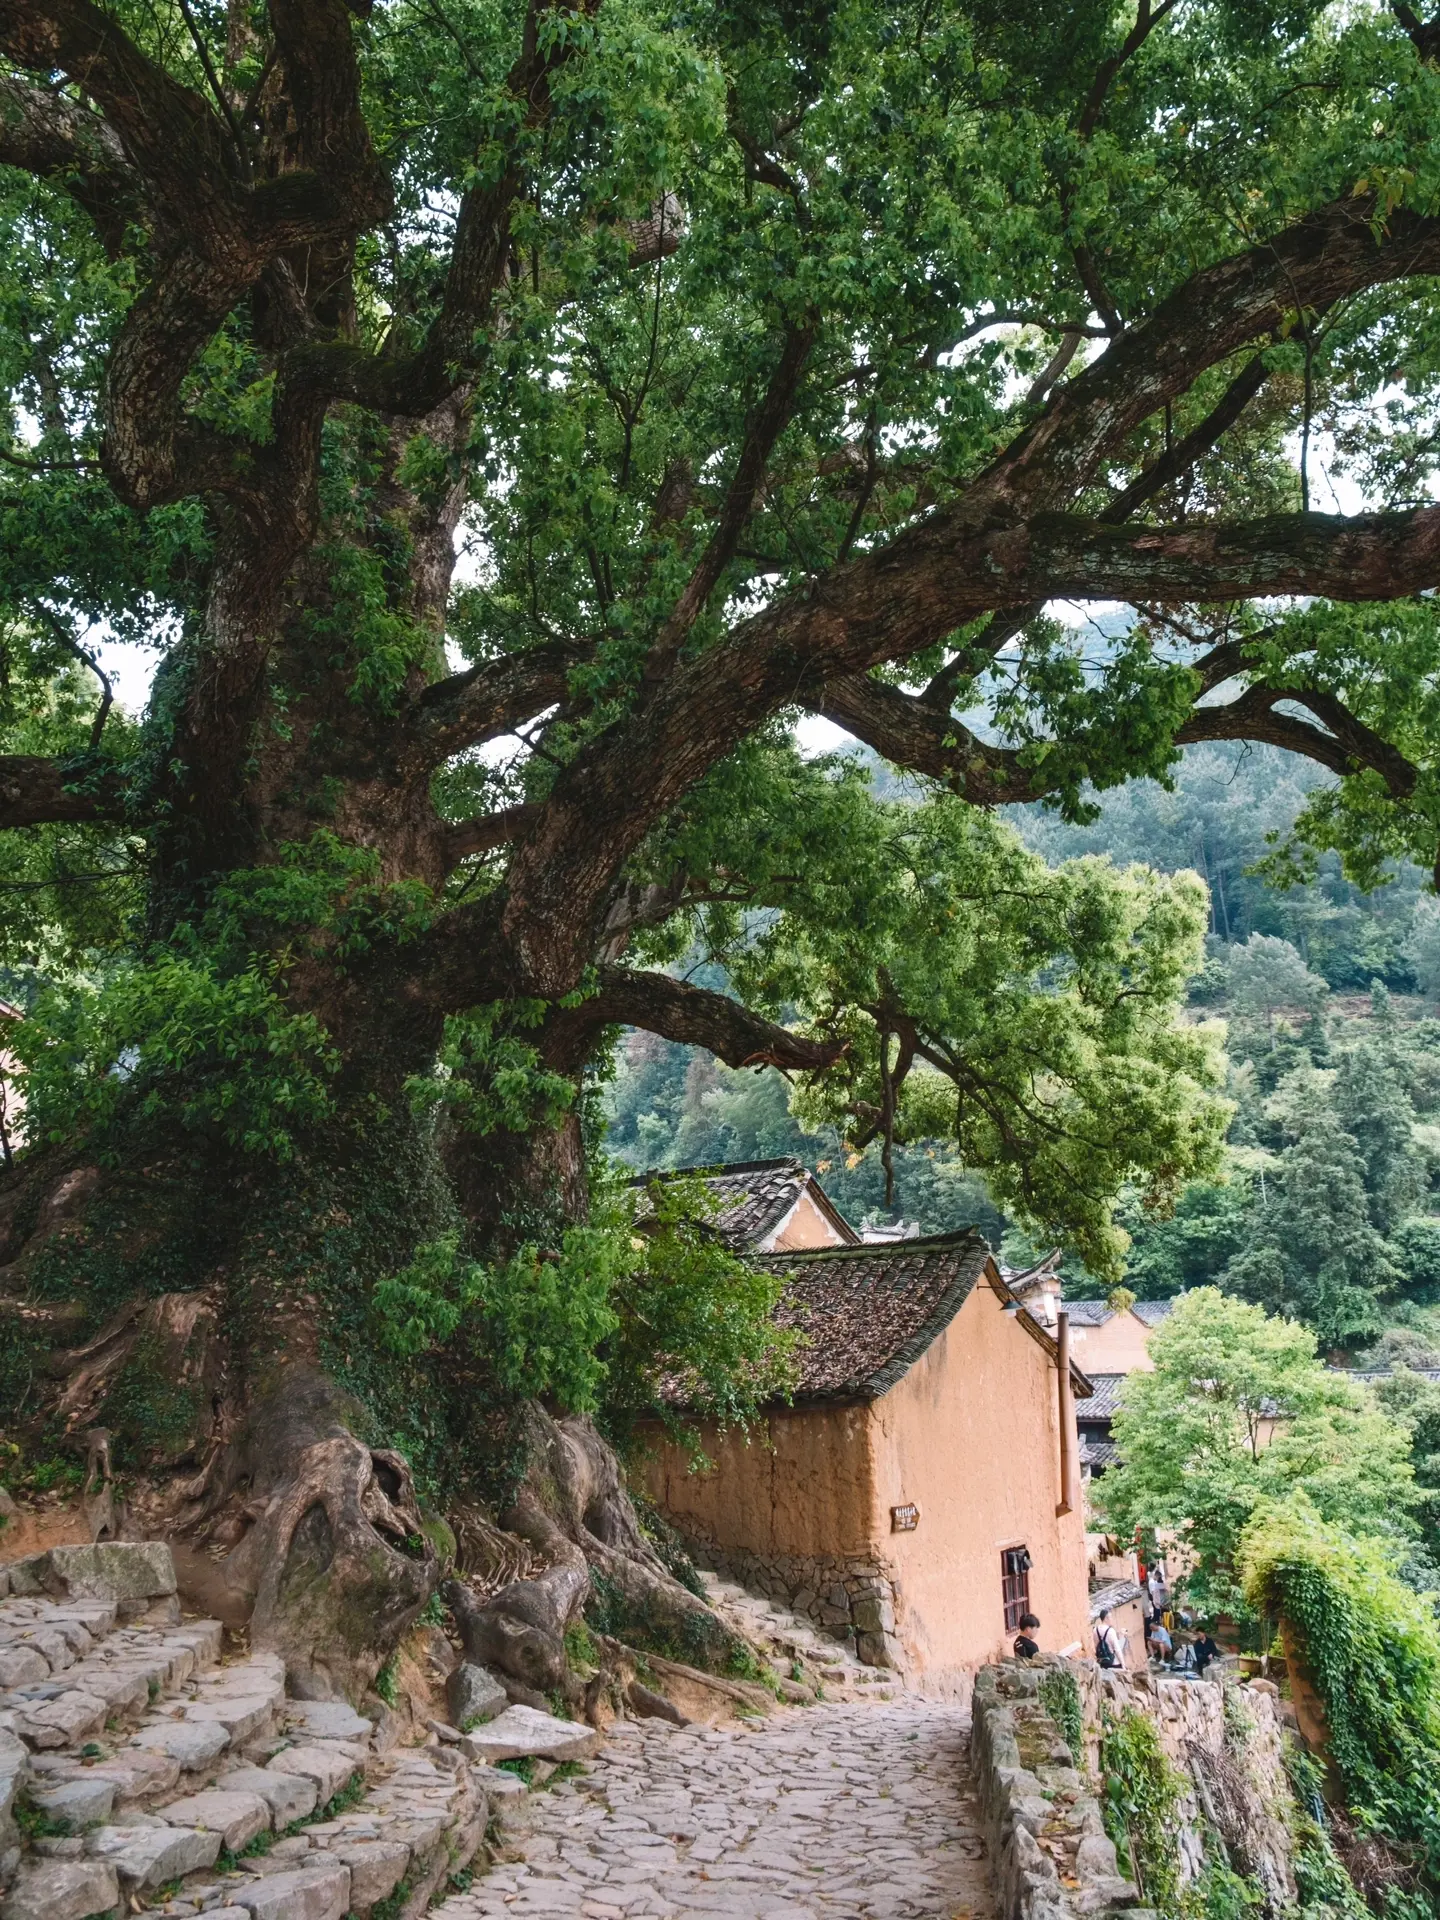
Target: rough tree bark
[[573, 1509]]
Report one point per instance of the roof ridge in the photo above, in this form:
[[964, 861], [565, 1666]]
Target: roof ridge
[[880, 1249], [716, 1167]]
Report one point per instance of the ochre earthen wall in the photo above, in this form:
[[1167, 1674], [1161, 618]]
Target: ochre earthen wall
[[801, 1485], [804, 1226], [971, 1436], [1120, 1346]]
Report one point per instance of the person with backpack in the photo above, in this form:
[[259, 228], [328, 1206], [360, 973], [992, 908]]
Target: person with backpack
[[1109, 1643]]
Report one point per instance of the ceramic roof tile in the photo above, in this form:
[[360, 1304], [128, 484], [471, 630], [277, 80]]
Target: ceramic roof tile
[[1104, 1403], [755, 1196], [1088, 1313], [870, 1312], [1105, 1595], [1094, 1313], [1367, 1376]]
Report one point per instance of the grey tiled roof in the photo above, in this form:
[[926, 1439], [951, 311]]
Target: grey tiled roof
[[1106, 1595], [1094, 1313], [868, 1313], [756, 1195], [1088, 1313], [1367, 1376], [1104, 1403], [1098, 1454]]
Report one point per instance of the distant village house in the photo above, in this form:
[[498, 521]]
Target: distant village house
[[769, 1206], [922, 1489]]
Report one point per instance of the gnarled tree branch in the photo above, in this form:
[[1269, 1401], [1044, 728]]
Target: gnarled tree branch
[[483, 702], [697, 1017], [35, 791]]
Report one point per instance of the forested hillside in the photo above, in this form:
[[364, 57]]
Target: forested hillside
[[1330, 997]]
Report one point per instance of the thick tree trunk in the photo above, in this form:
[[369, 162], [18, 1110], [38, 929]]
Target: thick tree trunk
[[213, 1319], [210, 1318]]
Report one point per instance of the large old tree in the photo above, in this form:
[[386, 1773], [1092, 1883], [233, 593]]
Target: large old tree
[[762, 360]]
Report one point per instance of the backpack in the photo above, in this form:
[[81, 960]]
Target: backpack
[[1105, 1653]]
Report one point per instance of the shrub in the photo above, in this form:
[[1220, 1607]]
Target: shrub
[[1372, 1651]]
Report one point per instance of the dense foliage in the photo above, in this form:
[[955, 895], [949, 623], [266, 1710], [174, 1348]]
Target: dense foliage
[[765, 360], [1371, 1650], [1238, 1411]]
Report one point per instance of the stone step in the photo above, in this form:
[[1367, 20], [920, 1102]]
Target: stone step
[[789, 1640], [425, 1810], [524, 1733], [174, 1780]]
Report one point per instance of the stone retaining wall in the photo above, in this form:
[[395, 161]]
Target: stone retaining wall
[[1049, 1851], [853, 1601]]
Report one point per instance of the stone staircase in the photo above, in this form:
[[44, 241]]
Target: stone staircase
[[143, 1770], [818, 1667]]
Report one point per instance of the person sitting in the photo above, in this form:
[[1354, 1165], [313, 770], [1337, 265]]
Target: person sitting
[[1205, 1651], [1161, 1645], [1025, 1647]]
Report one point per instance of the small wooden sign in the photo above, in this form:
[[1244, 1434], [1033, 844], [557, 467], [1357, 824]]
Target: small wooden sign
[[904, 1519]]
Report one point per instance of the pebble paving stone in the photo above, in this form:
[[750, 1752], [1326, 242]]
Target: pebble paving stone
[[852, 1811]]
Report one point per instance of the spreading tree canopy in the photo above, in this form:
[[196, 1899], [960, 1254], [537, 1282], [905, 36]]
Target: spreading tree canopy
[[765, 360], [1237, 1411]]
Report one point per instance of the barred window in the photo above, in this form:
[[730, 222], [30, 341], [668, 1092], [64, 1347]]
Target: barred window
[[1015, 1584]]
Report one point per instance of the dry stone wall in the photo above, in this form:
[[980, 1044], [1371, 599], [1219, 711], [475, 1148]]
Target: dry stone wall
[[1049, 1850], [853, 1601]]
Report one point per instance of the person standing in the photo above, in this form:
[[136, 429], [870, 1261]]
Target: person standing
[[1158, 1588], [1109, 1645]]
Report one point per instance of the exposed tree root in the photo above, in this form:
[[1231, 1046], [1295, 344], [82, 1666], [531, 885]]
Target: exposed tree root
[[338, 1556], [238, 1448], [573, 1510]]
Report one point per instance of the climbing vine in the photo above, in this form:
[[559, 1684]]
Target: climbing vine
[[1325, 1888], [1141, 1804], [1371, 1649], [1061, 1699]]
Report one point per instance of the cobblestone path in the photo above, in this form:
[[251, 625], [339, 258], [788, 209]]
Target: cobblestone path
[[856, 1811]]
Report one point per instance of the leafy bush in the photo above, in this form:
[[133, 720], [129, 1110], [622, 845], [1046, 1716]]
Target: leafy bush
[[1141, 1803], [1239, 1410], [487, 1078], [1060, 1698], [606, 1315], [174, 1038], [1371, 1649], [691, 1314], [540, 1316], [1416, 1246]]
